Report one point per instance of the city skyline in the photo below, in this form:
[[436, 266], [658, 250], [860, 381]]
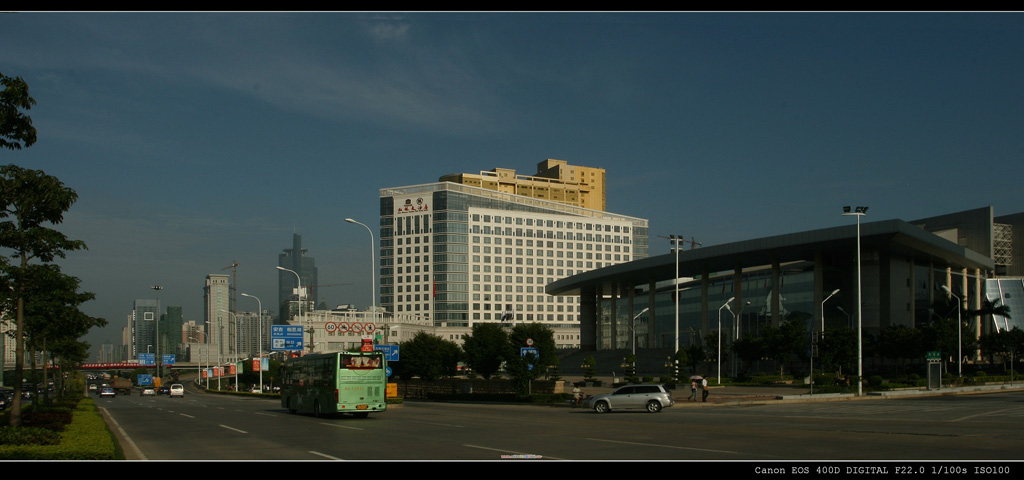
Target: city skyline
[[197, 141]]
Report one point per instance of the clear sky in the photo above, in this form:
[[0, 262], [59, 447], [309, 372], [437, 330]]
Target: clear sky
[[197, 140]]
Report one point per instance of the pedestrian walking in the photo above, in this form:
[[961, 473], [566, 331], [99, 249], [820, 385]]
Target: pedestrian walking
[[693, 391], [704, 390]]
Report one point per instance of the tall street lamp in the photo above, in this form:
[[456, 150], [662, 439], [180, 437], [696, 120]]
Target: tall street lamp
[[859, 212], [156, 326], [959, 335], [823, 310], [236, 346], [259, 316], [299, 280], [633, 328], [724, 305], [373, 270]]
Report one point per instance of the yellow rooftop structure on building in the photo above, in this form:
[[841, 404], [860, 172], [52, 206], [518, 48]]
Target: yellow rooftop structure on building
[[555, 180]]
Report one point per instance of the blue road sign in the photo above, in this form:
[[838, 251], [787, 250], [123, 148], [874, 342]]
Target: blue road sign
[[286, 337], [390, 352]]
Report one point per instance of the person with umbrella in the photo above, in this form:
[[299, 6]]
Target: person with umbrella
[[693, 388]]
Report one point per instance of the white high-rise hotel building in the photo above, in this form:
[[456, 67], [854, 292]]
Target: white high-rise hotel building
[[461, 254]]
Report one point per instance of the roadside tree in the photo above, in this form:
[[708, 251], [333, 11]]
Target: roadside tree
[[16, 130], [30, 203], [486, 347]]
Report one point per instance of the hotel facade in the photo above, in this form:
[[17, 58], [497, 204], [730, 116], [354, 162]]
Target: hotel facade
[[461, 255]]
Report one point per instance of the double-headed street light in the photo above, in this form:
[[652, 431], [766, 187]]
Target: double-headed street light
[[859, 212]]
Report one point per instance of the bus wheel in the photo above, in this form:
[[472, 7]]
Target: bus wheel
[[361, 414]]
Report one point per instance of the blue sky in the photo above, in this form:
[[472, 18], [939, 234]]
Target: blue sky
[[196, 140]]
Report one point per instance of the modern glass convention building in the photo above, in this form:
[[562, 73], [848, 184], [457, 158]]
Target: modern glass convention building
[[738, 288]]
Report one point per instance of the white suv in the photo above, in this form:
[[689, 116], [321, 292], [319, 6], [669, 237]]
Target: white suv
[[177, 390], [652, 398]]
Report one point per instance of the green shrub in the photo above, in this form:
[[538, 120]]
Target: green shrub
[[85, 438], [28, 436]]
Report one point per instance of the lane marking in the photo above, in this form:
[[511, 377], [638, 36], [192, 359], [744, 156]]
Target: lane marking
[[341, 426], [437, 424], [325, 455], [662, 446], [510, 452], [233, 428], [128, 439]]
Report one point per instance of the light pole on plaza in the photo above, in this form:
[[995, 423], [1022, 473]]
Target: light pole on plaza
[[959, 334], [724, 305], [259, 317], [823, 310], [859, 212]]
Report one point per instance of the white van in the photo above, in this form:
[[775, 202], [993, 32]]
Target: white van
[[177, 390]]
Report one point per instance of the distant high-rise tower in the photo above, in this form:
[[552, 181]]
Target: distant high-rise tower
[[143, 325], [295, 259], [220, 325]]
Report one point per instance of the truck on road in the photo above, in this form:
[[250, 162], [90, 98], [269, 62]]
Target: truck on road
[[122, 385]]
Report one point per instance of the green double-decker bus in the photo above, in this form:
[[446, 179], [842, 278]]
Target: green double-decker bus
[[335, 382]]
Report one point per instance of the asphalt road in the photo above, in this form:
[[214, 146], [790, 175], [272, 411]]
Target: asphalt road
[[215, 427]]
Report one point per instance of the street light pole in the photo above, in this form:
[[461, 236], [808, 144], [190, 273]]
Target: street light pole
[[373, 264], [724, 305], [959, 334], [823, 310], [156, 326], [259, 316], [859, 212], [299, 280]]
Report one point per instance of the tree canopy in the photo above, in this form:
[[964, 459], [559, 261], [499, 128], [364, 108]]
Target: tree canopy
[[16, 130]]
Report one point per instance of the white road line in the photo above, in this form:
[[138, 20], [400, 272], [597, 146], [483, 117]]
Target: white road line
[[325, 455], [986, 413], [186, 415], [436, 424], [124, 434], [662, 446], [341, 426], [509, 452], [232, 428]]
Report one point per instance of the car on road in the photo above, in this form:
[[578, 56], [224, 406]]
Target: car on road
[[163, 390], [652, 398], [108, 392], [148, 391], [177, 390]]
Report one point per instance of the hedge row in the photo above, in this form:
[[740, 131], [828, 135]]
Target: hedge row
[[85, 438]]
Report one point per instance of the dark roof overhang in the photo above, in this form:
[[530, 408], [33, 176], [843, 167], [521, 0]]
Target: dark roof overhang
[[893, 236]]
